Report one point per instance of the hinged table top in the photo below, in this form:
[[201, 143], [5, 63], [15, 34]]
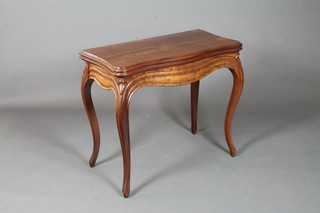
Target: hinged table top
[[126, 58]]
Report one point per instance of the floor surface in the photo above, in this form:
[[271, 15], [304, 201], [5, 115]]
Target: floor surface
[[44, 168]]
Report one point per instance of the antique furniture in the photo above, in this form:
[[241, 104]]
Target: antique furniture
[[170, 60]]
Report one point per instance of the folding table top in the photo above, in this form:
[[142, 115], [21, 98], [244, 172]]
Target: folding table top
[[126, 58]]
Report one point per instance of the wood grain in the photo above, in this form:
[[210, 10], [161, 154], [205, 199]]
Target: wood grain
[[86, 83], [194, 93], [170, 67], [238, 80], [137, 56]]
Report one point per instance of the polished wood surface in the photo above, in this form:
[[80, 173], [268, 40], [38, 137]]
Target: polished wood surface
[[193, 61], [194, 105], [86, 84], [175, 49]]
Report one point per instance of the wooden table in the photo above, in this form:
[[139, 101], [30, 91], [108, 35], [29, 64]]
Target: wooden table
[[170, 60]]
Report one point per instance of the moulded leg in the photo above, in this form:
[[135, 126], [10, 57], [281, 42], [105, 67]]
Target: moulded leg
[[194, 105], [87, 101], [237, 74], [122, 116]]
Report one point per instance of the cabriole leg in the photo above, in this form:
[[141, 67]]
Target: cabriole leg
[[122, 116], [194, 105], [87, 101], [237, 74]]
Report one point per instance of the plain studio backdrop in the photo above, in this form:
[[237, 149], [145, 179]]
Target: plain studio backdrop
[[45, 137]]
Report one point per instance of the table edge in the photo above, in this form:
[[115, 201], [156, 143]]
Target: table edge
[[156, 64]]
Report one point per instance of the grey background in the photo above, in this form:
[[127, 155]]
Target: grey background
[[45, 137]]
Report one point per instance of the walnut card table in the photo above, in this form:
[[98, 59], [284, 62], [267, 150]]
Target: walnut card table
[[170, 60]]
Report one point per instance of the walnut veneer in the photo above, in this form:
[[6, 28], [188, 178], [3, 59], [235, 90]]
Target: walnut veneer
[[170, 60]]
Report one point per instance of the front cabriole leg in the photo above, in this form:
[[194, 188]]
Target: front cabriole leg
[[237, 73], [119, 85], [86, 84], [122, 117]]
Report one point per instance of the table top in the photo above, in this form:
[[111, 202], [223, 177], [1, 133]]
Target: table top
[[126, 58]]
